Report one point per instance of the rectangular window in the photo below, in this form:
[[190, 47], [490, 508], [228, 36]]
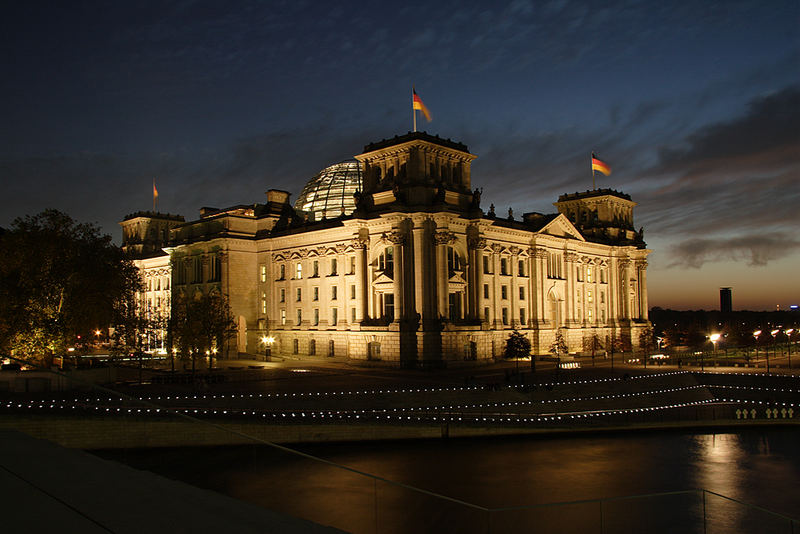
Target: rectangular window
[[602, 297], [486, 314], [316, 316], [522, 316], [263, 269], [588, 295], [334, 292], [486, 291], [283, 295], [486, 265], [589, 312], [334, 267], [504, 292], [580, 273], [588, 273], [388, 306], [352, 265], [521, 267], [282, 272], [454, 306], [299, 316], [299, 271], [299, 294], [216, 268], [521, 293], [352, 315], [264, 302], [503, 266], [386, 261], [197, 268], [334, 316], [283, 317], [505, 316], [315, 269], [316, 294], [353, 292]]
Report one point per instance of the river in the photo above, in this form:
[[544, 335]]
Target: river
[[760, 466]]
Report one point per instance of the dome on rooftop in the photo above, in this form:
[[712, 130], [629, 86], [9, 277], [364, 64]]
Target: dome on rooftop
[[329, 194]]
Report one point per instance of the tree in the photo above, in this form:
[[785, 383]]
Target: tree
[[59, 281], [647, 342], [201, 324], [559, 346]]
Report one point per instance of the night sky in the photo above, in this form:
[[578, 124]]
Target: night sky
[[695, 105]]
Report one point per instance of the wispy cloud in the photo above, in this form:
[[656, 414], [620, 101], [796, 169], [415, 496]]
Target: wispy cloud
[[757, 250]]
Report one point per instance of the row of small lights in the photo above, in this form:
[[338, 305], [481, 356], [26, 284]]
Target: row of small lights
[[383, 391], [363, 414], [753, 388], [10, 404], [432, 390]]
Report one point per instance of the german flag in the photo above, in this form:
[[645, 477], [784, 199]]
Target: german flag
[[417, 104], [601, 166]]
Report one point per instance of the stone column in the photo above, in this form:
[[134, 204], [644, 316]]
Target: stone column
[[570, 259], [643, 310], [496, 315], [538, 297], [362, 303], [513, 298], [441, 240], [398, 240], [475, 280], [626, 289], [419, 269]]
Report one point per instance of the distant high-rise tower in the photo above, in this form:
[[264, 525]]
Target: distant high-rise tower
[[725, 300]]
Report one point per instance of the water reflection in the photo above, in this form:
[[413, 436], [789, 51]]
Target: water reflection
[[755, 466]]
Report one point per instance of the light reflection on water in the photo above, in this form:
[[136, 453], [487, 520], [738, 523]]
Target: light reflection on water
[[755, 466]]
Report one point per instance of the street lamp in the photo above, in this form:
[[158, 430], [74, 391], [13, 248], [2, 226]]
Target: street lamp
[[267, 341], [755, 335], [774, 346], [788, 333], [714, 339]]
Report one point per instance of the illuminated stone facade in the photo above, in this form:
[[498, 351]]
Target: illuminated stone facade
[[144, 235], [418, 274]]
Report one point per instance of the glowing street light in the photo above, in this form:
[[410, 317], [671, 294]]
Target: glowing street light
[[788, 333], [714, 338], [267, 341]]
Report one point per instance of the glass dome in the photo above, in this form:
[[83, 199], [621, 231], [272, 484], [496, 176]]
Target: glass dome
[[329, 194]]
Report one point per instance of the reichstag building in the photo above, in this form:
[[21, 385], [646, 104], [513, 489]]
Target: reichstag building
[[391, 256]]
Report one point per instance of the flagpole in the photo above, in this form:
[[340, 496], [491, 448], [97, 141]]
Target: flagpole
[[592, 162], [413, 110]]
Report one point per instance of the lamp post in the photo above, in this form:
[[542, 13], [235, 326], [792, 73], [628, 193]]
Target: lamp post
[[267, 341], [714, 339], [755, 335], [788, 333], [774, 346]]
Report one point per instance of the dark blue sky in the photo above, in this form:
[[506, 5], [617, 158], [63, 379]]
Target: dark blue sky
[[695, 105]]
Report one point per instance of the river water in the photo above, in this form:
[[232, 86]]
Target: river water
[[757, 466]]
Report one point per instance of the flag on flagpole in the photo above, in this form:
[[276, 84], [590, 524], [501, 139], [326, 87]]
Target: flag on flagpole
[[417, 104], [601, 166], [155, 191]]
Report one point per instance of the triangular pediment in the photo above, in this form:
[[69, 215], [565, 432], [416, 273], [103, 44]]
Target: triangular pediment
[[382, 279], [457, 278], [561, 227]]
